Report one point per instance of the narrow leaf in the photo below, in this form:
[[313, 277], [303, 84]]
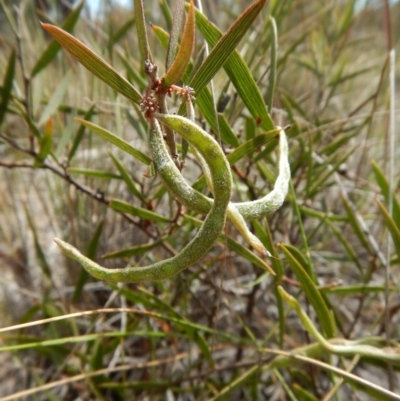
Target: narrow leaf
[[204, 100], [91, 253], [133, 250], [241, 151], [132, 72], [311, 291], [115, 140], [80, 132], [236, 247], [38, 248], [124, 207], [354, 222], [196, 335], [383, 183], [121, 32], [250, 146], [346, 244], [239, 74], [93, 63], [225, 46], [89, 172], [141, 31], [55, 100], [127, 178], [391, 225], [246, 253], [273, 63], [357, 289], [45, 143], [7, 86], [53, 47], [166, 12], [182, 60], [226, 131], [161, 34], [173, 42], [10, 18]]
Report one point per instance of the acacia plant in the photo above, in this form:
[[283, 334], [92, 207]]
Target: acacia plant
[[294, 305], [166, 162]]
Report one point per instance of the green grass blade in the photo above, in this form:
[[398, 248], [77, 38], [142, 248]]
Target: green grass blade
[[115, 140], [53, 48], [93, 63]]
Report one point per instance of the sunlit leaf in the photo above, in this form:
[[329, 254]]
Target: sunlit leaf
[[175, 29], [142, 31], [177, 69], [238, 71], [93, 62], [225, 46]]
